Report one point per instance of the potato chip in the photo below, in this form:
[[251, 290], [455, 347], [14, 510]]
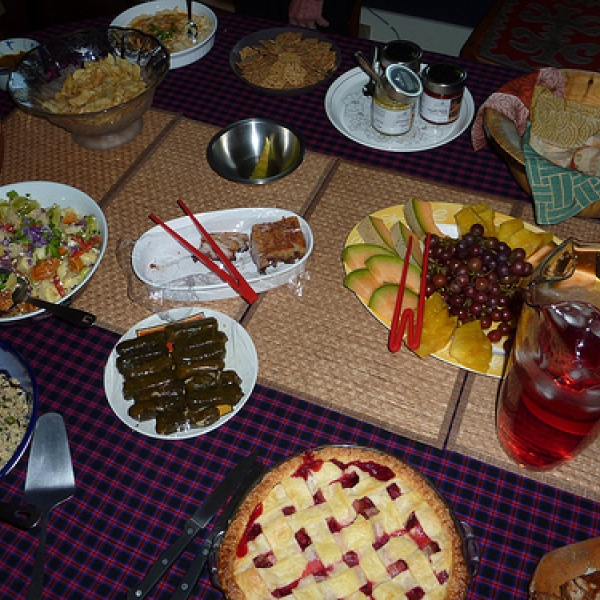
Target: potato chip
[[96, 86]]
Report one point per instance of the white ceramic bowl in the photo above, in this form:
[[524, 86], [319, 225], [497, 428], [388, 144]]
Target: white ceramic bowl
[[48, 193], [184, 57], [13, 46]]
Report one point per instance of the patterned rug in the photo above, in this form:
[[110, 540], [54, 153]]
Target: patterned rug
[[527, 34]]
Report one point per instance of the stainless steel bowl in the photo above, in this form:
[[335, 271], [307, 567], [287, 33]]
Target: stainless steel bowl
[[43, 70], [12, 364], [234, 151]]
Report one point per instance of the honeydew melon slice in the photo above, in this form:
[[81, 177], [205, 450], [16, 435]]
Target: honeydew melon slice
[[355, 255], [400, 236], [362, 283], [419, 216], [388, 269], [373, 230], [383, 302]]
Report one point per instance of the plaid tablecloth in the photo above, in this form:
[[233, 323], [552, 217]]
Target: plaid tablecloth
[[134, 493]]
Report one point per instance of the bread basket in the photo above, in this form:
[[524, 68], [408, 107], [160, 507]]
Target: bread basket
[[505, 140]]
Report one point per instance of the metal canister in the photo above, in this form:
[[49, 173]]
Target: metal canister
[[401, 52], [443, 88], [396, 94]]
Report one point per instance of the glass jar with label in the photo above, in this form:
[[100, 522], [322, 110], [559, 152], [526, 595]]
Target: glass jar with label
[[401, 52], [396, 94], [443, 88]]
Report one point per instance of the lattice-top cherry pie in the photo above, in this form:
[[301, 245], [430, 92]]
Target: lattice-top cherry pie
[[343, 523]]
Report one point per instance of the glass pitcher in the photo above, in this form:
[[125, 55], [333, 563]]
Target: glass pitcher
[[548, 407]]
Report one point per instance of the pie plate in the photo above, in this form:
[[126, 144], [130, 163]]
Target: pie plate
[[443, 215], [470, 548], [240, 356], [349, 111], [168, 268], [562, 565]]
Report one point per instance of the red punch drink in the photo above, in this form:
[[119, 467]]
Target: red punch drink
[[549, 403]]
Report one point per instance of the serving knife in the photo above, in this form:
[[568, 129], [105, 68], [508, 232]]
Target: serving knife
[[193, 525], [189, 580]]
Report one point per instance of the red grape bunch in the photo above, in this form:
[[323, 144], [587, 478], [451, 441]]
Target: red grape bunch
[[478, 277]]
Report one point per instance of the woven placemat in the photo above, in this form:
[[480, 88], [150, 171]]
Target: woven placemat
[[177, 168], [37, 150], [324, 346]]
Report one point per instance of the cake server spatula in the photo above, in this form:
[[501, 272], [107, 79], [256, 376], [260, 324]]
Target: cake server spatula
[[49, 481]]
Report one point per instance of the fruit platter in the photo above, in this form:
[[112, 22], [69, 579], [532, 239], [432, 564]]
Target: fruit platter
[[479, 261]]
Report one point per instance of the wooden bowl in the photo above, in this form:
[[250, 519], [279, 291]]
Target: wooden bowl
[[504, 138]]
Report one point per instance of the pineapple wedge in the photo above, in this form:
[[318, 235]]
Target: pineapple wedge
[[468, 216], [471, 347], [438, 326]]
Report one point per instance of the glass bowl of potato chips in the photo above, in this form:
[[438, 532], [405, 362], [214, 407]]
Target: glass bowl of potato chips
[[95, 83]]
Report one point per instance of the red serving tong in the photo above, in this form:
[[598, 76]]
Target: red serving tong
[[232, 276], [400, 322]]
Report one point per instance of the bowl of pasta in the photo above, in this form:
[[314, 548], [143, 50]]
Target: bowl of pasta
[[95, 83], [167, 20]]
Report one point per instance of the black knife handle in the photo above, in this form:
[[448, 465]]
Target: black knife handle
[[188, 582], [23, 516], [165, 560]]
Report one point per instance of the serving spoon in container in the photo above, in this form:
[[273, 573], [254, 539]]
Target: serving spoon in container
[[191, 27], [66, 313]]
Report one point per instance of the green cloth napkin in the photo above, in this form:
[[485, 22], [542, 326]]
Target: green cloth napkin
[[558, 193]]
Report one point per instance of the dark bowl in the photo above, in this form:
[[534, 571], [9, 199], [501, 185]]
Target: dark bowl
[[42, 72], [12, 364], [255, 39]]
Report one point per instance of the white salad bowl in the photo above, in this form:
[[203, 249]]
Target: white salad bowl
[[48, 193], [183, 57]]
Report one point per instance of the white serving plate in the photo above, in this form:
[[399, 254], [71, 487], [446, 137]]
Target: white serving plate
[[48, 193], [184, 57], [349, 111], [165, 266], [240, 356], [13, 46]]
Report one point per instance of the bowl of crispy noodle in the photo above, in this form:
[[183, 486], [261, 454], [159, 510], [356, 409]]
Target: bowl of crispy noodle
[[95, 83]]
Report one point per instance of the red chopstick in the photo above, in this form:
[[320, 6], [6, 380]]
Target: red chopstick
[[241, 286], [245, 288], [401, 322]]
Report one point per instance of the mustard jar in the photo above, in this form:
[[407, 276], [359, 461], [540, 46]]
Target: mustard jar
[[396, 94]]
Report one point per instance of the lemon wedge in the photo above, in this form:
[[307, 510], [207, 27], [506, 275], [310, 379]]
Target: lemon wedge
[[261, 169]]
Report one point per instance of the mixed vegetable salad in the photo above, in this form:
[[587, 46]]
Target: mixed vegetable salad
[[53, 248]]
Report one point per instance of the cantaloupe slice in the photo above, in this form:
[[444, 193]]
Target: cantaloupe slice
[[540, 254], [400, 236], [388, 269], [355, 255], [373, 230], [362, 283], [419, 216], [383, 302]]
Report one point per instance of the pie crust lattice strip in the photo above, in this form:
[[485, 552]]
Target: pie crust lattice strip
[[343, 523]]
